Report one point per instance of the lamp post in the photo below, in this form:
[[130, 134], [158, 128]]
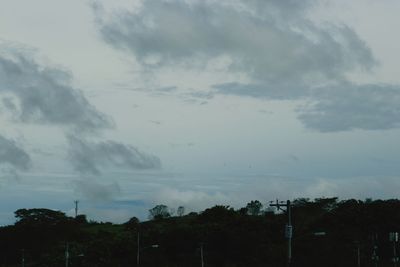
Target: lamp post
[[67, 255], [141, 249], [23, 258], [357, 244], [394, 237], [202, 254]]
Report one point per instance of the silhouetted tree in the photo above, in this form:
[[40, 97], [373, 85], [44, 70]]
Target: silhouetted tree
[[40, 217], [254, 207], [159, 212], [132, 223]]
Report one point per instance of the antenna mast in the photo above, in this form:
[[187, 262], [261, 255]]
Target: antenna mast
[[76, 207]]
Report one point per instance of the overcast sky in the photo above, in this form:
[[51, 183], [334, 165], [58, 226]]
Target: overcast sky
[[125, 104]]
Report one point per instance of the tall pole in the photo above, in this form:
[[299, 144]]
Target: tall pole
[[67, 255], [289, 232], [394, 253], [23, 258], [138, 249], [201, 255], [375, 257], [394, 237], [76, 207], [289, 227]]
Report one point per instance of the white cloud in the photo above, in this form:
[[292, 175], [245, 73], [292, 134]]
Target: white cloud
[[190, 199]]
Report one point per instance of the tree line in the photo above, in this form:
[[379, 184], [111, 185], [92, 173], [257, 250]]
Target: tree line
[[327, 232]]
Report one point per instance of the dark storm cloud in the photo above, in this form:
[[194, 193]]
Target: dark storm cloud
[[45, 95], [271, 41], [12, 155], [91, 157], [349, 106]]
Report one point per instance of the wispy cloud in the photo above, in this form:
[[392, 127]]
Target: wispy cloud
[[194, 200], [348, 106], [44, 94], [89, 157], [273, 42], [94, 191], [282, 52], [13, 155]]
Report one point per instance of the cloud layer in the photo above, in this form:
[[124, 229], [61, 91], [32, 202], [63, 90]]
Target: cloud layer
[[12, 155], [43, 94], [349, 106], [96, 191], [91, 157], [272, 42], [284, 55]]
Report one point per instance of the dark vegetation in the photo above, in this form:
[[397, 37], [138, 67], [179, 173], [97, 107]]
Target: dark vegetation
[[250, 236]]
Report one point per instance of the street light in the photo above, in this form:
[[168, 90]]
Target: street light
[[319, 234], [394, 237], [23, 258], [141, 249], [202, 254], [68, 255]]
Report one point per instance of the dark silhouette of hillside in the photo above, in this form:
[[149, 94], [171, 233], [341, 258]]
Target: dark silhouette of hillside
[[327, 232]]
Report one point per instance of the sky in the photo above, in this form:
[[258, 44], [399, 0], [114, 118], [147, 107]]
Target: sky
[[126, 104]]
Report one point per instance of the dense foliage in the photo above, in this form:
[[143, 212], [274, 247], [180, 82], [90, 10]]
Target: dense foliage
[[327, 232]]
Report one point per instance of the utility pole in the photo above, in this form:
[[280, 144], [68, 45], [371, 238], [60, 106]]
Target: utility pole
[[358, 254], [201, 254], [23, 258], [394, 237], [67, 255], [375, 257], [280, 205], [76, 207], [138, 249]]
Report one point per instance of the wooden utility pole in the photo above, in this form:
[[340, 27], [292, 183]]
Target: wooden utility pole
[[280, 205]]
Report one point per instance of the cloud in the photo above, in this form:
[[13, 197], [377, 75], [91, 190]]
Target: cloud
[[91, 157], [192, 200], [355, 187], [279, 52], [263, 91], [14, 156], [272, 42], [95, 191], [35, 93], [349, 106], [44, 94]]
